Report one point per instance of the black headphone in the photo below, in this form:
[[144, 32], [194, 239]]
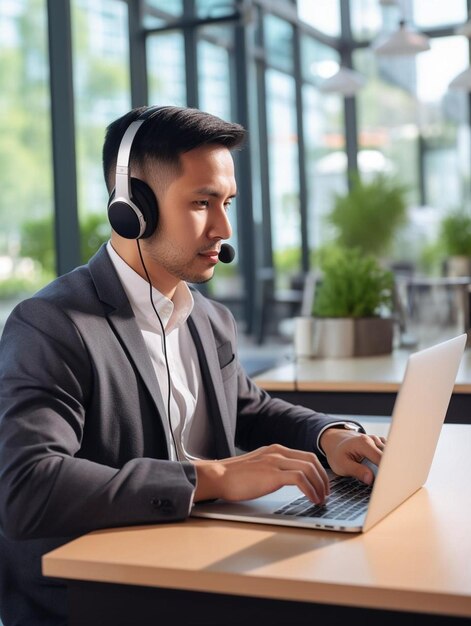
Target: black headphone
[[133, 210]]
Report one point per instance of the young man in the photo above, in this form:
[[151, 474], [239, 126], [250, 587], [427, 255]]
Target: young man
[[121, 395]]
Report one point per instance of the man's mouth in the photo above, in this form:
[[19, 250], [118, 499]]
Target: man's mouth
[[211, 255]]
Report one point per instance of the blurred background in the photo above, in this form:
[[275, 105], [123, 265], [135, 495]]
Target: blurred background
[[358, 114]]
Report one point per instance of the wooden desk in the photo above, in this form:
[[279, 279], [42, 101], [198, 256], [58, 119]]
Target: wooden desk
[[416, 561], [359, 386]]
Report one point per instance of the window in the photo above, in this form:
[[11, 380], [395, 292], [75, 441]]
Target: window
[[166, 79], [214, 97], [321, 14], [27, 258], [101, 86]]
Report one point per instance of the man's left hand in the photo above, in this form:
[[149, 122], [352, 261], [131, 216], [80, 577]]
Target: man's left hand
[[345, 451]]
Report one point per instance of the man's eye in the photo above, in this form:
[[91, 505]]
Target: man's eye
[[202, 203]]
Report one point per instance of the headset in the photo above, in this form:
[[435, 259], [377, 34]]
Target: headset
[[133, 210]]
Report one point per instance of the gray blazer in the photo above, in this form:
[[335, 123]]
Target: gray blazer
[[83, 433]]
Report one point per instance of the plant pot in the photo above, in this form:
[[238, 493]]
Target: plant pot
[[343, 337], [458, 266]]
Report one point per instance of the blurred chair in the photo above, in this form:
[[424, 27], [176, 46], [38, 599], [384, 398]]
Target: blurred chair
[[269, 301]]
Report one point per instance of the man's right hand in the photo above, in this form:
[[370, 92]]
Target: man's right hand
[[261, 472]]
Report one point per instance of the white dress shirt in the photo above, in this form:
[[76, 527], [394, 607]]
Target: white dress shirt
[[188, 409]]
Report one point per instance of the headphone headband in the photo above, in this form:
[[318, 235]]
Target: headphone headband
[[132, 207]]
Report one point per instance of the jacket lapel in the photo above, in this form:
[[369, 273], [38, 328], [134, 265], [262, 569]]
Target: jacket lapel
[[121, 318], [202, 335]]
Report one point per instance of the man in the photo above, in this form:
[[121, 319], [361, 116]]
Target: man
[[121, 395]]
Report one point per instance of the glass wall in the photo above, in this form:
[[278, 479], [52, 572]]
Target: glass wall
[[215, 47], [102, 93], [27, 256], [405, 123], [166, 79]]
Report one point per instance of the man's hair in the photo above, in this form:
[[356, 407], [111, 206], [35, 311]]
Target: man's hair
[[165, 135]]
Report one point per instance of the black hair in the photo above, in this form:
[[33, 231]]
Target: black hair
[[168, 132]]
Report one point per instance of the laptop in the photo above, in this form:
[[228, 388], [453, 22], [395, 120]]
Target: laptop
[[419, 412]]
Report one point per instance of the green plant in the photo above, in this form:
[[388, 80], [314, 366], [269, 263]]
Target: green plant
[[455, 234], [37, 239], [369, 215], [353, 285]]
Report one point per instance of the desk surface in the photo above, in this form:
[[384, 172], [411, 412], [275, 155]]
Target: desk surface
[[360, 374], [412, 560]]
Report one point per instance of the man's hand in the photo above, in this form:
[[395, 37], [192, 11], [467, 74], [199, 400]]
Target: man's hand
[[345, 451], [261, 472]]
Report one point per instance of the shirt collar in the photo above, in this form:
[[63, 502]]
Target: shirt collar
[[173, 313]]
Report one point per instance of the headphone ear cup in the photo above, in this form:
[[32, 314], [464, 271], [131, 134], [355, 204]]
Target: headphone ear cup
[[143, 197], [124, 219]]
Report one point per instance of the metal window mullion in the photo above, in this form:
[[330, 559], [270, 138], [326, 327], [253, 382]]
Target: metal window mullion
[[267, 242], [191, 56], [301, 150], [245, 221], [66, 224], [137, 54], [350, 111]]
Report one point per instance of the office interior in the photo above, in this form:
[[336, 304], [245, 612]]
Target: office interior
[[324, 109], [69, 68]]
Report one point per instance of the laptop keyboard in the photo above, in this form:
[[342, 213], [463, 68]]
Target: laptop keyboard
[[348, 498]]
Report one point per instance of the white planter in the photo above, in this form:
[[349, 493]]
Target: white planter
[[348, 337], [458, 266]]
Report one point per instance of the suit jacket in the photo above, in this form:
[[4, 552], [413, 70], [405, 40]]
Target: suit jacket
[[83, 434]]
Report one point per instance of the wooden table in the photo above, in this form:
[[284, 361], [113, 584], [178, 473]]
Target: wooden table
[[417, 561], [358, 386]]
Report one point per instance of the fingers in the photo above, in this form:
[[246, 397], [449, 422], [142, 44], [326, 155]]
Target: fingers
[[346, 457], [311, 478], [268, 468]]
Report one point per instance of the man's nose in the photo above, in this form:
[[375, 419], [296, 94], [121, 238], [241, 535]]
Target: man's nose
[[221, 227]]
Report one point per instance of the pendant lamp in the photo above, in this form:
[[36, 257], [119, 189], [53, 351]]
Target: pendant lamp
[[345, 81], [402, 42]]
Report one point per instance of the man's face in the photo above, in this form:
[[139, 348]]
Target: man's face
[[193, 216]]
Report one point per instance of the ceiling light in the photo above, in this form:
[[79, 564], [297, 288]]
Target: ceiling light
[[346, 82], [403, 41], [464, 29], [462, 81]]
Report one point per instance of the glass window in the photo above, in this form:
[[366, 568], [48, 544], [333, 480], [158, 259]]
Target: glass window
[[166, 69], [172, 9], [279, 43], [284, 175], [326, 160], [214, 97], [321, 14], [388, 118], [214, 8], [414, 125], [444, 124], [27, 256], [430, 13], [324, 137], [367, 17], [102, 94]]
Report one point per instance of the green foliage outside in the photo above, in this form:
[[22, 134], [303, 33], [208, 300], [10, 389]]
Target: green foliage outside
[[368, 216], [353, 285], [455, 234], [37, 240]]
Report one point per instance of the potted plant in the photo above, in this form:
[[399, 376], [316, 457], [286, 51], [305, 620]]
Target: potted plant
[[350, 304], [455, 239], [369, 215]]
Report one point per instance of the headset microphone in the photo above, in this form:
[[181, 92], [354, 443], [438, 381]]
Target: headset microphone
[[227, 253]]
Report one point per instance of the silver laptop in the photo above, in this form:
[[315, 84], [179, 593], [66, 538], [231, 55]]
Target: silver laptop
[[419, 412]]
